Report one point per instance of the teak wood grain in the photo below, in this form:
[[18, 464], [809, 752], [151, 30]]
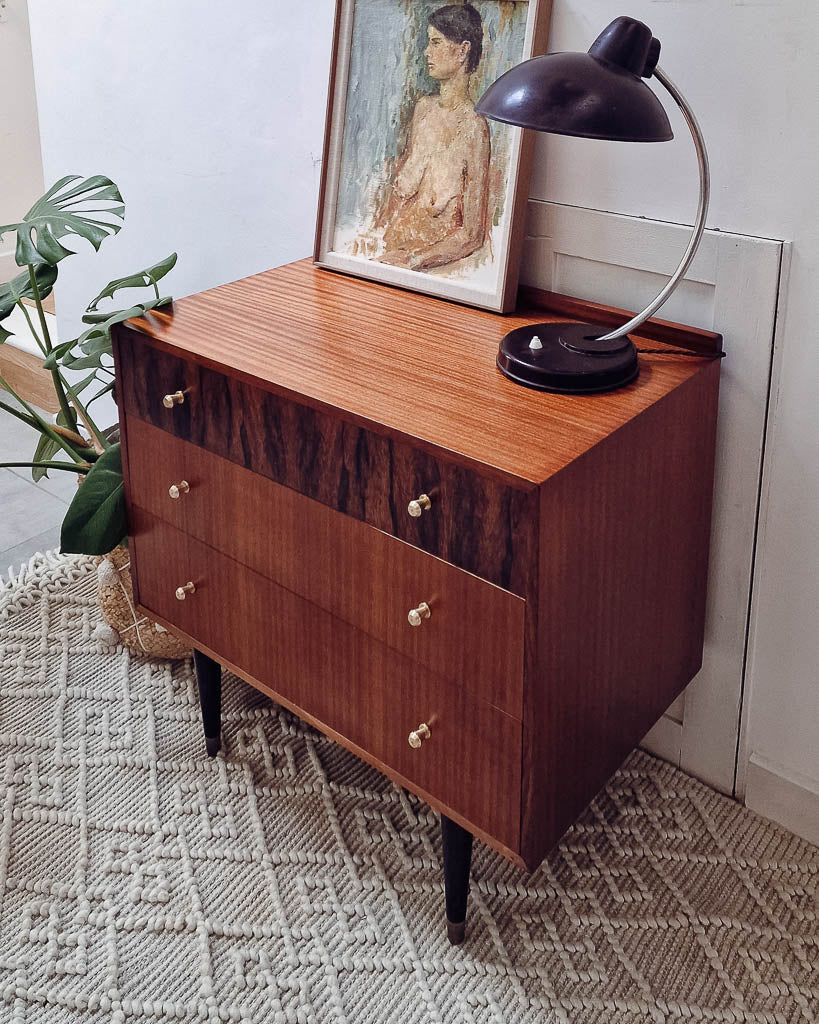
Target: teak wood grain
[[354, 398], [624, 537], [406, 366], [476, 523], [363, 691], [360, 574], [263, 687]]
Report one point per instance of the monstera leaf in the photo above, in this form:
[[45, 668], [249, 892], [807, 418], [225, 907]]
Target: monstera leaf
[[67, 210], [46, 449], [20, 288], [88, 349], [96, 520], [141, 279]]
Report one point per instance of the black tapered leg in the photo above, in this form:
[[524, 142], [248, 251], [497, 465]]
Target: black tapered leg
[[209, 677], [457, 859]]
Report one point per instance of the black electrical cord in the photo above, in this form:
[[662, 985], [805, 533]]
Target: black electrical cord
[[680, 352]]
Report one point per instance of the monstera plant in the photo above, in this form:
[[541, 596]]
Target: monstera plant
[[91, 209]]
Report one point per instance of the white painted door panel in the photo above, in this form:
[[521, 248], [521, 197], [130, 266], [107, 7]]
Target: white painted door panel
[[731, 287]]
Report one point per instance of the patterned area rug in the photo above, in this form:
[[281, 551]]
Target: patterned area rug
[[288, 882]]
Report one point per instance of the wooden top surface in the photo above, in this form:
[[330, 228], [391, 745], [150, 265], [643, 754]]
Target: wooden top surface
[[412, 366]]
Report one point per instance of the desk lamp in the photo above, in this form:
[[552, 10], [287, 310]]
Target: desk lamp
[[594, 95]]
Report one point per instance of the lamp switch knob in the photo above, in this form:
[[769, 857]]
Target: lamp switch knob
[[535, 344]]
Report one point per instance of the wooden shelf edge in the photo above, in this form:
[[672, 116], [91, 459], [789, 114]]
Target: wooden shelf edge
[[665, 331], [529, 299], [26, 375]]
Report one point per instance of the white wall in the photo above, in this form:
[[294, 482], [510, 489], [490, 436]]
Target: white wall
[[211, 121], [748, 68], [21, 170], [209, 118]]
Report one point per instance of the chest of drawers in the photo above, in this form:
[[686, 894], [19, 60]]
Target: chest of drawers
[[487, 592]]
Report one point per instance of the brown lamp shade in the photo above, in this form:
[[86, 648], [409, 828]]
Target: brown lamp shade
[[594, 95]]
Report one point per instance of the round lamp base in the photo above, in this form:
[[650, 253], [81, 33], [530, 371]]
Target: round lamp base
[[567, 359]]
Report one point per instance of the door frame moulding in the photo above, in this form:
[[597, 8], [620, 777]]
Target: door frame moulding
[[785, 797], [732, 287]]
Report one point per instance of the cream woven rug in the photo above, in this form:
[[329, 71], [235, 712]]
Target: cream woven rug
[[288, 882]]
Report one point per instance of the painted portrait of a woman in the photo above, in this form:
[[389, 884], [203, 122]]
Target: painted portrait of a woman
[[437, 206], [418, 189]]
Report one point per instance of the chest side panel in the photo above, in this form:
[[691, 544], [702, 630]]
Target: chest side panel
[[623, 569]]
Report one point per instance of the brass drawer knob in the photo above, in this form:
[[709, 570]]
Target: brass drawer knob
[[181, 488], [177, 398], [419, 505], [417, 736], [182, 592], [417, 615]]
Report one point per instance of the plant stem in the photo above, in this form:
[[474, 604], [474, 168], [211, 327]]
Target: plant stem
[[20, 415], [34, 334], [68, 414], [43, 426], [97, 437], [70, 435], [80, 467], [40, 311]]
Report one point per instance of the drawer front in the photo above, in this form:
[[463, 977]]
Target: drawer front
[[474, 632], [474, 522], [361, 689]]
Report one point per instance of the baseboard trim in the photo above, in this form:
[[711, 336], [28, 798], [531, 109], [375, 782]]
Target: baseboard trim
[[788, 798], [664, 740]]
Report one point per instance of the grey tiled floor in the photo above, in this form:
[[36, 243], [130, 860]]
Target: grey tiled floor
[[30, 514]]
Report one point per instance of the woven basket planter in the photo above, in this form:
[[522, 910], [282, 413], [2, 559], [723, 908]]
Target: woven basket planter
[[132, 629]]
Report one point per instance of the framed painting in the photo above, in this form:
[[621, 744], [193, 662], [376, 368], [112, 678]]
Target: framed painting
[[417, 189]]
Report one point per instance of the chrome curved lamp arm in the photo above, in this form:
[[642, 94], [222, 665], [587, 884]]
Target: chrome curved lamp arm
[[702, 210]]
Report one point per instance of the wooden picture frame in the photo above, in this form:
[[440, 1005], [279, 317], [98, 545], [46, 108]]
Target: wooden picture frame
[[417, 190]]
